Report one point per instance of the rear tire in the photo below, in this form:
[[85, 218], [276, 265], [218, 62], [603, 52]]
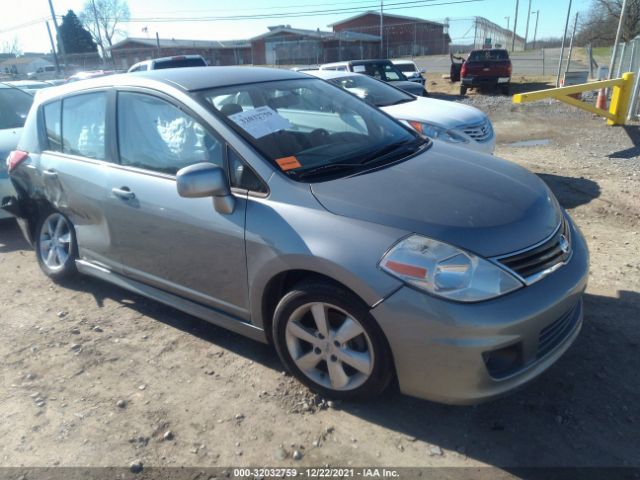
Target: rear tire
[[328, 340], [56, 246], [505, 90], [463, 90]]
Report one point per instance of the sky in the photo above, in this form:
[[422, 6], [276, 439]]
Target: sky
[[33, 38]]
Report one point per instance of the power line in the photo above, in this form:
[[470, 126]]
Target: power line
[[392, 6]]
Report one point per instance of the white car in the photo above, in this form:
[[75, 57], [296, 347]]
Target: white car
[[178, 61], [410, 69], [451, 122]]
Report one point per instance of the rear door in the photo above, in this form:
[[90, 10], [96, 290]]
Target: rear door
[[73, 168], [180, 245]]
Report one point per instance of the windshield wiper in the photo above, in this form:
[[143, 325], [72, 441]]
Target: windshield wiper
[[329, 168], [392, 149]]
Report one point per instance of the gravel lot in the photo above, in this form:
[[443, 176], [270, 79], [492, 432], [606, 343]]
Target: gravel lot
[[92, 375]]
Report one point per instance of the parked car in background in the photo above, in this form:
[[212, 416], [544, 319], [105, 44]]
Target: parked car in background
[[55, 82], [179, 61], [43, 73], [283, 208], [14, 107], [410, 70], [89, 74], [30, 86], [490, 68], [451, 122], [382, 70]]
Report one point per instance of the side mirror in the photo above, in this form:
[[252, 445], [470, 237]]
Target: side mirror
[[206, 180]]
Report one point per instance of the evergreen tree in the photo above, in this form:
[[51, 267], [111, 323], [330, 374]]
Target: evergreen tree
[[74, 37]]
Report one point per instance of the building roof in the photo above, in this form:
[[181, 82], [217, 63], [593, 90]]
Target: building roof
[[182, 43], [384, 14], [22, 60], [323, 35]]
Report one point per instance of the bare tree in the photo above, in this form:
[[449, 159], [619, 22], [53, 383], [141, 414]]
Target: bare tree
[[102, 18], [601, 22], [11, 47]]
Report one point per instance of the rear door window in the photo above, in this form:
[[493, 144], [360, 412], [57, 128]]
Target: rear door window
[[83, 125], [155, 135], [53, 125]]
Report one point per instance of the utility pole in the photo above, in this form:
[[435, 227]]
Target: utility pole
[[55, 24], [507, 18], [575, 25], [381, 28], [158, 44], [564, 37], [515, 27], [53, 48], [535, 30], [526, 32], [623, 14]]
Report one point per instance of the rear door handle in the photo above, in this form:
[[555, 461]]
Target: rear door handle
[[123, 193], [50, 173]]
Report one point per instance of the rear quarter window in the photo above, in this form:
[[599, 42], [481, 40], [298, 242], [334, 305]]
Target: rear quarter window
[[53, 125]]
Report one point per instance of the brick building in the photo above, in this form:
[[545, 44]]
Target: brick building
[[402, 35]]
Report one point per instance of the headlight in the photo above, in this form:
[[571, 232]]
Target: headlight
[[446, 271], [434, 131]]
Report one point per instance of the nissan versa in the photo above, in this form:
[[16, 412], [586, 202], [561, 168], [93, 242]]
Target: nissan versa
[[288, 210]]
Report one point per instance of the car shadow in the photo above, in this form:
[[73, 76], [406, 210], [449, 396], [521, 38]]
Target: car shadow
[[633, 131], [11, 238], [526, 87], [571, 192]]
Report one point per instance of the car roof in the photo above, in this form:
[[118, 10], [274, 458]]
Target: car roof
[[188, 78], [173, 57], [403, 62]]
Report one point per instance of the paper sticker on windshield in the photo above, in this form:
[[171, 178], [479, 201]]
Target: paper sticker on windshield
[[260, 122], [358, 68], [288, 163]]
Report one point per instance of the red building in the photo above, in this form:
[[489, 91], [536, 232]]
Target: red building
[[402, 36]]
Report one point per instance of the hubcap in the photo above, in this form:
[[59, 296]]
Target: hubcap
[[55, 241], [329, 346]]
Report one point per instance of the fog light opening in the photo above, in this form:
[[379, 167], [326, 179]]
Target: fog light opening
[[504, 361]]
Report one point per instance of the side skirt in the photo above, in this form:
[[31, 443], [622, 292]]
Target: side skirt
[[217, 318]]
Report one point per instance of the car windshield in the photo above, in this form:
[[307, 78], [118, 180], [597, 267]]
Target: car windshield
[[373, 91], [488, 55], [179, 63], [387, 72], [311, 130], [14, 107]]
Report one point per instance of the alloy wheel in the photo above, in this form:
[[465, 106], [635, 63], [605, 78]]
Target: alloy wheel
[[55, 242], [329, 346]]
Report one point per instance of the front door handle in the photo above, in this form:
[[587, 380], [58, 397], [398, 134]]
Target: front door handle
[[50, 173], [123, 193]]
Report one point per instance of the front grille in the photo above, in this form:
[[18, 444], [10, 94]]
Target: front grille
[[554, 251], [480, 132], [552, 335]]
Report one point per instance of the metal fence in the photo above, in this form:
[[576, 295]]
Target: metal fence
[[627, 59]]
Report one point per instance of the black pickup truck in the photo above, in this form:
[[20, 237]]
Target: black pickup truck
[[490, 68]]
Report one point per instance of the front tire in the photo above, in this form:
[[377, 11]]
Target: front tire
[[56, 246], [327, 339]]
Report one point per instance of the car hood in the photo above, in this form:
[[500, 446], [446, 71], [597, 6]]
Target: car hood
[[477, 202], [441, 112], [8, 140], [413, 88]]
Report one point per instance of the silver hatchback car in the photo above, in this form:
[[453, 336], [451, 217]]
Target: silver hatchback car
[[286, 209]]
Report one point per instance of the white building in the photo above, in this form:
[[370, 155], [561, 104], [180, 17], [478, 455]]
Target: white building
[[23, 65]]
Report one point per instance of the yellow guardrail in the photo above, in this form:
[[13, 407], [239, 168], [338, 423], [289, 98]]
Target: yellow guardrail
[[620, 98]]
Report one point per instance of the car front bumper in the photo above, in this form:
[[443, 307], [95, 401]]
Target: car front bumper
[[442, 349]]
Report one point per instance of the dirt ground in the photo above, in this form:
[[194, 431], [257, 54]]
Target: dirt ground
[[92, 375]]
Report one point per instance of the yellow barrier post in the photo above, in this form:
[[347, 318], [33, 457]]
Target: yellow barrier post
[[620, 98], [617, 114]]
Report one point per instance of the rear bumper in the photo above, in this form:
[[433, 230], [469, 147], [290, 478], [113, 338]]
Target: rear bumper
[[443, 350], [484, 82], [6, 190]]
